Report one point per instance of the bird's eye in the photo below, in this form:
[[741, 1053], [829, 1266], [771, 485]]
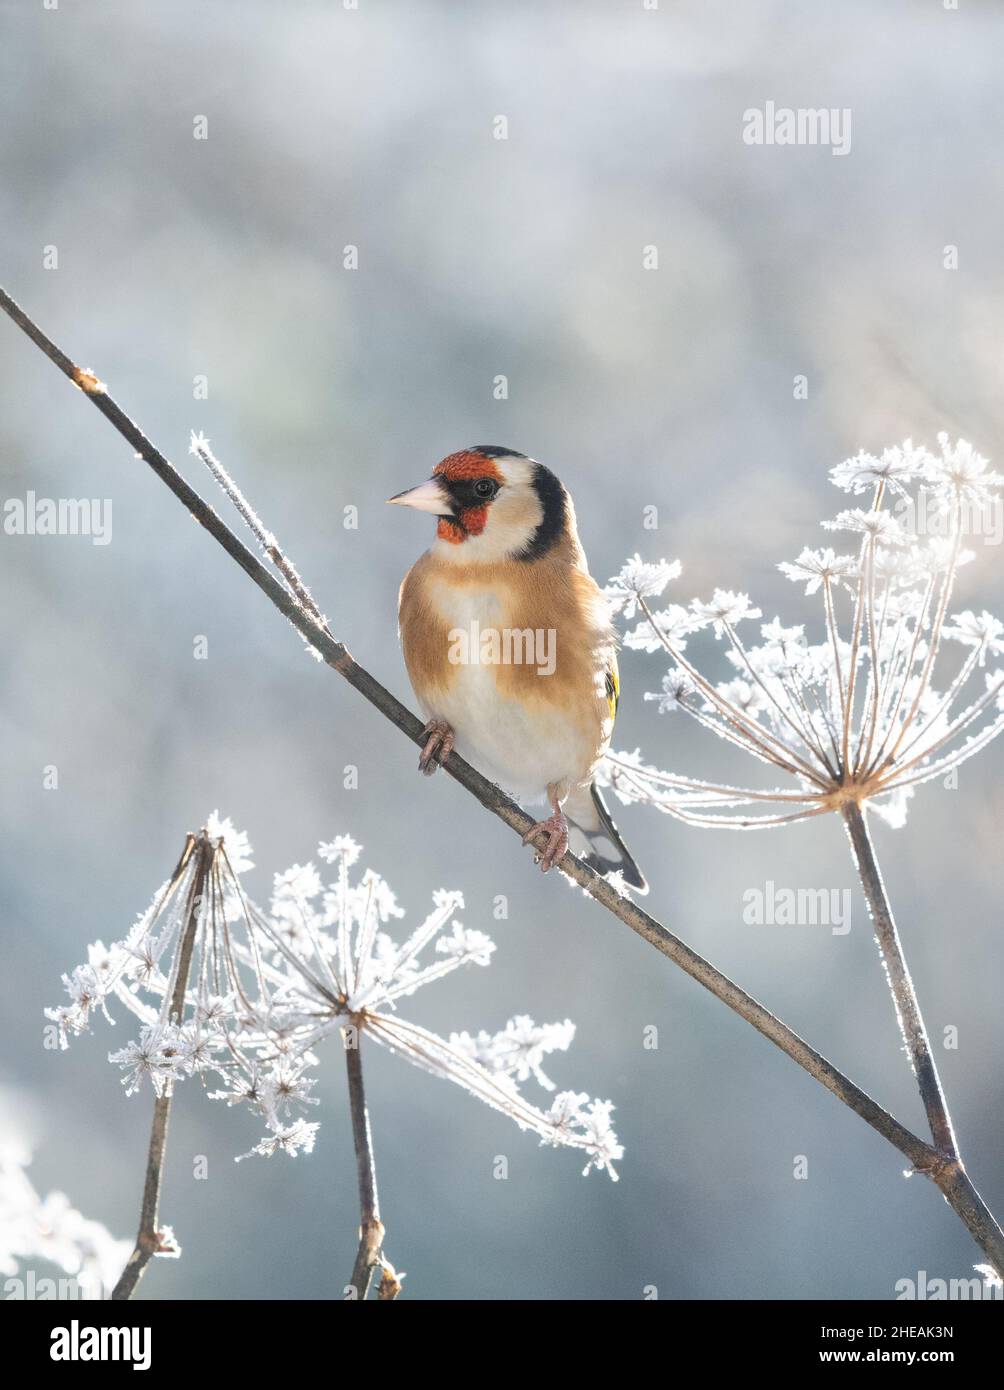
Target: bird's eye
[[485, 488]]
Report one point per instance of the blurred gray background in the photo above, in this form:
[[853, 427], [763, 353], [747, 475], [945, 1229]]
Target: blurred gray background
[[328, 388]]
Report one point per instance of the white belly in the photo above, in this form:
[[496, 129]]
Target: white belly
[[524, 748]]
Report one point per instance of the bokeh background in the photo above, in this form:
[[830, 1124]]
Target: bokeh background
[[330, 388]]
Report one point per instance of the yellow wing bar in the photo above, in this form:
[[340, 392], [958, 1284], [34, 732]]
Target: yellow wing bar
[[613, 688]]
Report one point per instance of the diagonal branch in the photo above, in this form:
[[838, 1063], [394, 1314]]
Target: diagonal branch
[[949, 1175]]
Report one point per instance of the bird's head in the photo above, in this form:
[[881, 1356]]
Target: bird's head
[[493, 504]]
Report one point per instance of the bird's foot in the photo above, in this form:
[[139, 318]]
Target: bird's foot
[[439, 738], [556, 830]]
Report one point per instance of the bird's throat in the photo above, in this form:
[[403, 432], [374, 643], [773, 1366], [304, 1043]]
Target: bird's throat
[[470, 522]]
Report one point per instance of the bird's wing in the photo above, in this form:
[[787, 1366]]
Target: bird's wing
[[596, 839], [613, 686]]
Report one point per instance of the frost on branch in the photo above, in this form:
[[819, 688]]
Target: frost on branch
[[637, 581]]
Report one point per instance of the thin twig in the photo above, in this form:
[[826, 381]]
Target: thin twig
[[947, 1170], [148, 1238], [908, 1013], [270, 546], [922, 1156], [371, 1229]]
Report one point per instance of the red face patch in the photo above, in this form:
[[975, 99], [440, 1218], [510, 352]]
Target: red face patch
[[467, 464], [470, 523]]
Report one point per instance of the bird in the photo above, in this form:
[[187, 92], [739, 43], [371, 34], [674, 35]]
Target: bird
[[511, 650]]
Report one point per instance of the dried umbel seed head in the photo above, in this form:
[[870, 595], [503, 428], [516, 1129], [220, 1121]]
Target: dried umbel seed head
[[867, 712], [225, 990]]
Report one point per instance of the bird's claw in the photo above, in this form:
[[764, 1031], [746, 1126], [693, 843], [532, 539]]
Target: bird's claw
[[438, 746], [556, 830]]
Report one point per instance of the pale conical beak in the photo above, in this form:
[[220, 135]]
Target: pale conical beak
[[427, 497]]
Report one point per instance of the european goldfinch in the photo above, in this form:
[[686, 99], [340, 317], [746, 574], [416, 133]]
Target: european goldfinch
[[510, 648]]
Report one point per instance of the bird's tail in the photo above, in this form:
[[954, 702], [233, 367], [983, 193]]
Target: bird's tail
[[595, 838]]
